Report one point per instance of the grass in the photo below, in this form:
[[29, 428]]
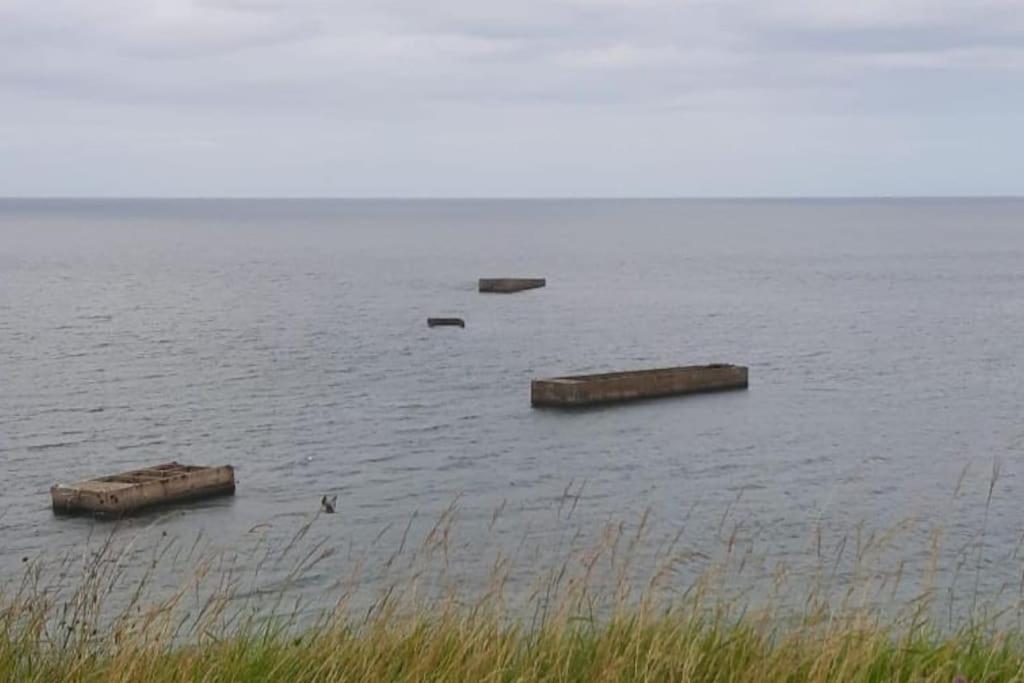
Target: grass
[[639, 643], [591, 617]]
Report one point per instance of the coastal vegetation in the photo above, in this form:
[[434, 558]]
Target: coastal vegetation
[[591, 617], [639, 644]]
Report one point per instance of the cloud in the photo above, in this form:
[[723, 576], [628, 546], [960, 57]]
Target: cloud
[[536, 48], [239, 72]]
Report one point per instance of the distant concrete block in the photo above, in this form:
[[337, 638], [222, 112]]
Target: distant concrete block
[[507, 285], [446, 322]]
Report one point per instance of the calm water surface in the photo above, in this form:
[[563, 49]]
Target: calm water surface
[[288, 338]]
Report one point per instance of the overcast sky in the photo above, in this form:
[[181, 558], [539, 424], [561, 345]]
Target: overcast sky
[[511, 98]]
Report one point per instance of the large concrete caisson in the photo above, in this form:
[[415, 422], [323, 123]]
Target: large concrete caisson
[[122, 494], [585, 390], [507, 285]]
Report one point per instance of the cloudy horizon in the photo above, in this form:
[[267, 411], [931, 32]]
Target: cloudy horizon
[[558, 98]]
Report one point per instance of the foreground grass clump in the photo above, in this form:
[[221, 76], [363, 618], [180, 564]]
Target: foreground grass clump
[[595, 615], [480, 644]]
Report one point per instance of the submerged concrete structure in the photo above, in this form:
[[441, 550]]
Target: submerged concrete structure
[[446, 322], [508, 285], [584, 390], [122, 494]]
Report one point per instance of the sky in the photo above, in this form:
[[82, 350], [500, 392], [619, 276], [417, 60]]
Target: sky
[[466, 98]]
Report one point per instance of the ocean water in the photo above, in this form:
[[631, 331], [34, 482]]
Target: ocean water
[[288, 338]]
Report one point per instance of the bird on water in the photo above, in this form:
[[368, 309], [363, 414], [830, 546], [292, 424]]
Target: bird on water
[[328, 504]]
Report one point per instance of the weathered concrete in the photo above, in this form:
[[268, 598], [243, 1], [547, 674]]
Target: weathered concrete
[[583, 390], [446, 322], [122, 494], [507, 285]]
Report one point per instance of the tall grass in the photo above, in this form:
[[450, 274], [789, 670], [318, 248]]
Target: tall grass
[[594, 615]]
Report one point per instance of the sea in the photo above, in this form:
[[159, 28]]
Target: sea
[[288, 338]]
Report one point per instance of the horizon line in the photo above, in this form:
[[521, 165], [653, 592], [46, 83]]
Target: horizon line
[[416, 198]]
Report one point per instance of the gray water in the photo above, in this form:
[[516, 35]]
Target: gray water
[[288, 338]]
